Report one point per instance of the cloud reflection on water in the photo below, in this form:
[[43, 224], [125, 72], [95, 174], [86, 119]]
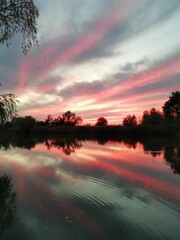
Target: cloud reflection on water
[[100, 191]]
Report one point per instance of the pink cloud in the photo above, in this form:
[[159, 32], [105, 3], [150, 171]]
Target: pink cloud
[[152, 76], [33, 73], [49, 59]]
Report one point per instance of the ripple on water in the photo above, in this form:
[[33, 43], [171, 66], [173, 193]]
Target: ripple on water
[[93, 191]]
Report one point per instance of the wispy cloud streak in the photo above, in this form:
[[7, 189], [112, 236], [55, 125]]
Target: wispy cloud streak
[[49, 59]]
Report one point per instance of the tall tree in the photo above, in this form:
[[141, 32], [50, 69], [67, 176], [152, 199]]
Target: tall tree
[[70, 119], [152, 117], [101, 121], [48, 120], [130, 121], [24, 124], [18, 16], [171, 107], [7, 107]]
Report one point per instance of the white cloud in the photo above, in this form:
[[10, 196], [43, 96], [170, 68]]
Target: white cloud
[[32, 99]]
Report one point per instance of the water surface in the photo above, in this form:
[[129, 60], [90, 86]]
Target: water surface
[[89, 190]]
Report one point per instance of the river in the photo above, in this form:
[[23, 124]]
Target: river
[[88, 190]]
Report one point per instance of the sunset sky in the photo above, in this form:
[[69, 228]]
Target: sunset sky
[[106, 58]]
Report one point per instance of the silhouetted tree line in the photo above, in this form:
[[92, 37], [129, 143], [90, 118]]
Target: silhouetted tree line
[[168, 147], [20, 16], [152, 122], [171, 112], [67, 119], [67, 145]]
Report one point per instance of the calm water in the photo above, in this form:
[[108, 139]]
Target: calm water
[[85, 190]]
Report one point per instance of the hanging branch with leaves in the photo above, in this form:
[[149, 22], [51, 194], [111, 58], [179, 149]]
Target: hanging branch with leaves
[[8, 104], [18, 16]]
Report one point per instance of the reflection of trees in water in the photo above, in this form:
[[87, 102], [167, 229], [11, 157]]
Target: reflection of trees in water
[[102, 141], [4, 146], [66, 145], [4, 143], [130, 143], [156, 153], [153, 146], [7, 203], [23, 142], [171, 150], [16, 141], [172, 156]]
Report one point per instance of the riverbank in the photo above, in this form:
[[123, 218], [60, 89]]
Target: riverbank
[[110, 132]]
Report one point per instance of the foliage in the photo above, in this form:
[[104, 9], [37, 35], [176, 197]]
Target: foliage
[[48, 120], [152, 117], [67, 119], [58, 121], [171, 107], [70, 119], [7, 107], [101, 121], [18, 16], [24, 124], [153, 121], [130, 121]]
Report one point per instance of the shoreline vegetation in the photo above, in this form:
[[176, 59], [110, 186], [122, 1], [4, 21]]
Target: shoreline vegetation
[[110, 132], [167, 146], [151, 123]]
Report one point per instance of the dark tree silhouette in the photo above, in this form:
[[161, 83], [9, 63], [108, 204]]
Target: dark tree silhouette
[[130, 121], [68, 146], [130, 142], [7, 203], [71, 147], [7, 107], [58, 121], [48, 120], [101, 121], [23, 124], [152, 117], [18, 16], [70, 119], [171, 107], [4, 142], [23, 142], [172, 156]]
